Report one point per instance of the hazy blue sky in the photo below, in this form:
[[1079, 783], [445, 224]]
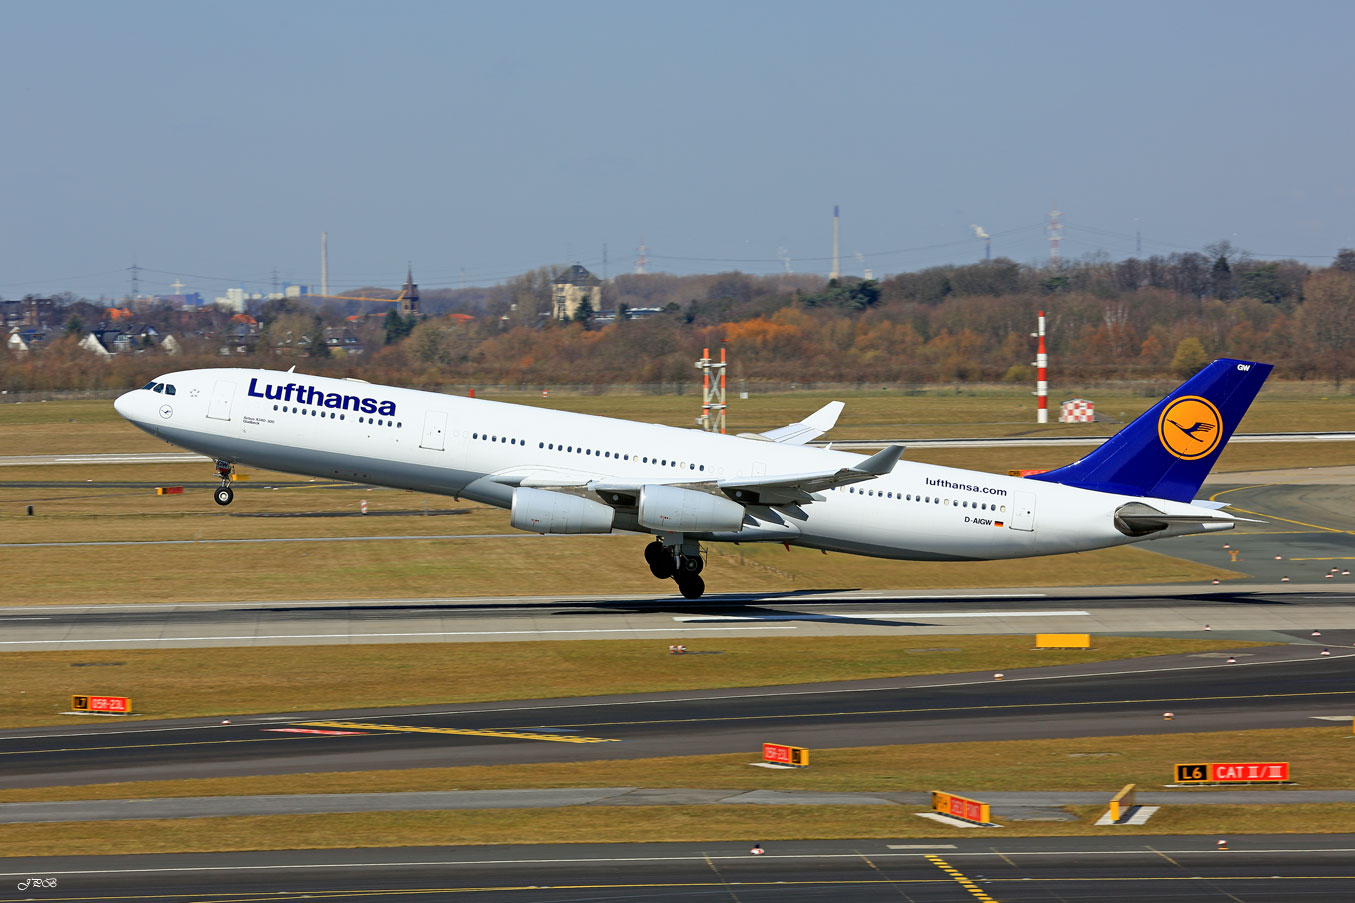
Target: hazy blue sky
[[218, 139]]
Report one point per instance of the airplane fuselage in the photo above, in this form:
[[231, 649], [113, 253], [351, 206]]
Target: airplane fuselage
[[485, 450]]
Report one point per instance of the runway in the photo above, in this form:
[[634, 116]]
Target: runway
[[1284, 686], [1257, 869]]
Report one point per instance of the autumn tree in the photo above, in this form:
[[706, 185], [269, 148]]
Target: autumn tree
[[1189, 358], [1328, 319]]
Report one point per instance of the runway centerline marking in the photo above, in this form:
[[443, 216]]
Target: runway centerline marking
[[506, 733], [858, 616]]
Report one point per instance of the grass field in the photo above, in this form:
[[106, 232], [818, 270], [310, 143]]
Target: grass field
[[73, 426], [494, 565], [615, 824], [1321, 758], [172, 683]]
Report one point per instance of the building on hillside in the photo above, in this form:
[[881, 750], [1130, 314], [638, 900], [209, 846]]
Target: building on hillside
[[92, 344], [571, 288], [32, 312]]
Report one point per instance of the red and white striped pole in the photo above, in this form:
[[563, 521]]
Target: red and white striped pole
[[1041, 377]]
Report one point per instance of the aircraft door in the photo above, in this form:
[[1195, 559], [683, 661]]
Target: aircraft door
[[434, 430], [223, 393], [1023, 511]]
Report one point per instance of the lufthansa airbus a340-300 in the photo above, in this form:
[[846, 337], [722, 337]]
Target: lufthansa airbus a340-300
[[558, 472]]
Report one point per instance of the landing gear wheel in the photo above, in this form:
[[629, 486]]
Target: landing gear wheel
[[660, 560], [691, 586], [223, 495], [692, 564]]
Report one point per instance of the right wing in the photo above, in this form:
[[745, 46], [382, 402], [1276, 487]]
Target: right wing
[[812, 427]]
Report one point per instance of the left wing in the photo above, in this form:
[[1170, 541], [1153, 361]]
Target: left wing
[[784, 489]]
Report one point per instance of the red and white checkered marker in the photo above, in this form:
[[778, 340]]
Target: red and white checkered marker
[[364, 506]]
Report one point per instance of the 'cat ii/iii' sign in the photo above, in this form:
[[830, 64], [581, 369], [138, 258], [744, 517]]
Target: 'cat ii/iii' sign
[[1232, 772]]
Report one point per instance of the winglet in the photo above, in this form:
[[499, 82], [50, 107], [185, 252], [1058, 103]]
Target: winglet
[[812, 427], [882, 462]]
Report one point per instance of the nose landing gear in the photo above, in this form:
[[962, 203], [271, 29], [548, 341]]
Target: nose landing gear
[[224, 494], [682, 564]]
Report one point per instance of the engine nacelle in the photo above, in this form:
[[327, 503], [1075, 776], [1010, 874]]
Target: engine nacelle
[[543, 511], [677, 510]]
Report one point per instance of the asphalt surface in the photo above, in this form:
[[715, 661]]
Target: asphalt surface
[[1256, 869], [1285, 686]]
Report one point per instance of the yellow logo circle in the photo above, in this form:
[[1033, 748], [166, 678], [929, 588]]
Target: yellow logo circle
[[1190, 427]]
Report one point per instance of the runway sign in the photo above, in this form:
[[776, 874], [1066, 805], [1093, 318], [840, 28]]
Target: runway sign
[[1063, 641], [785, 755], [111, 705], [1232, 772], [960, 807]]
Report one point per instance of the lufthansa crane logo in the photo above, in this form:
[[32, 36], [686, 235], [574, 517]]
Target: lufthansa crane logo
[[1190, 427]]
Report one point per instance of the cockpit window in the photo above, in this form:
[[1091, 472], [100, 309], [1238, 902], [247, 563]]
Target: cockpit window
[[159, 387], [149, 385], [169, 389]]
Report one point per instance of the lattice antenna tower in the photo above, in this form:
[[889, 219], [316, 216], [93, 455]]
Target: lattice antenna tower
[[713, 406], [641, 258], [837, 267], [1055, 235], [136, 278]]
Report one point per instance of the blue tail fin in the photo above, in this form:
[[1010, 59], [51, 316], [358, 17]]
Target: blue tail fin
[[1167, 452]]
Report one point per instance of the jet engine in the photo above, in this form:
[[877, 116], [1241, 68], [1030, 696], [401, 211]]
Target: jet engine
[[675, 510], [543, 511]]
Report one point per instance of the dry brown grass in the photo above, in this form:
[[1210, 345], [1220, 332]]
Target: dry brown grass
[[482, 565], [167, 683], [613, 824]]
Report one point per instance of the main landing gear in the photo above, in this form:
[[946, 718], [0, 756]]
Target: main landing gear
[[224, 493], [684, 567]]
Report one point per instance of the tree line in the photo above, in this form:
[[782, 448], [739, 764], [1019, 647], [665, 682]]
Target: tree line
[[1132, 319]]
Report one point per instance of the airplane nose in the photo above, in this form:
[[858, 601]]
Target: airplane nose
[[123, 404]]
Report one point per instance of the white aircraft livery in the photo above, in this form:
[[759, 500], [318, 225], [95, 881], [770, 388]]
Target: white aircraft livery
[[559, 472]]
